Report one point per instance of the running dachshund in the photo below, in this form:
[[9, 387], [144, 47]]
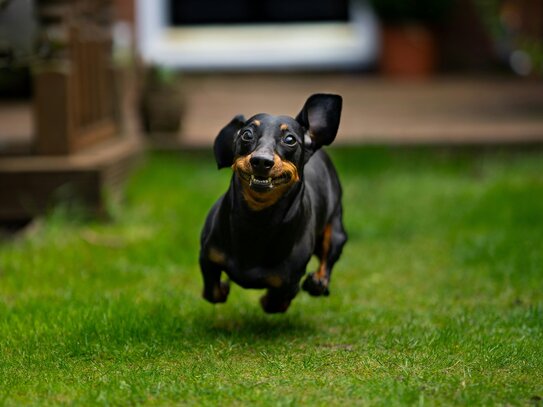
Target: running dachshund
[[283, 206]]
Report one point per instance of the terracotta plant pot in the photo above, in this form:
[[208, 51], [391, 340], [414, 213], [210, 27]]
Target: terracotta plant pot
[[408, 51]]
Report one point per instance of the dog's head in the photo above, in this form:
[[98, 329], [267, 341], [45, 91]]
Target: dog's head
[[268, 152]]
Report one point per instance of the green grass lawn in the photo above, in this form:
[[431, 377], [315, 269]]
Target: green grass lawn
[[437, 300]]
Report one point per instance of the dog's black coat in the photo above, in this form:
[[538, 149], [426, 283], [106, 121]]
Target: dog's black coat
[[270, 246]]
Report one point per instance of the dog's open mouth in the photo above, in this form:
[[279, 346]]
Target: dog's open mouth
[[263, 184]]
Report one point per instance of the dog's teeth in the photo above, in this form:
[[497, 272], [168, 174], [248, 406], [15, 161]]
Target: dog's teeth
[[262, 182]]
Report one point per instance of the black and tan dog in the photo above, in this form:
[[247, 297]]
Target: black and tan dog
[[282, 207]]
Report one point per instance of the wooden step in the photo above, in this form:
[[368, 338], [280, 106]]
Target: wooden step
[[30, 185]]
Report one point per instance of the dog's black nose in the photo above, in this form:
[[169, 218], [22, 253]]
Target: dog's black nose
[[261, 162]]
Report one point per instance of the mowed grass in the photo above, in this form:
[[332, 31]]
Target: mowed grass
[[437, 300]]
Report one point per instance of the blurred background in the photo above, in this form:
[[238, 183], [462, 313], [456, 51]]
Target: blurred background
[[86, 85]]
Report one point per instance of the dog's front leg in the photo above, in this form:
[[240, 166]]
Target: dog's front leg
[[215, 290]]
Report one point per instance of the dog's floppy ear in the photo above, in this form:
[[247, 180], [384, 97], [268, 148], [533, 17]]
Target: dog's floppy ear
[[320, 115], [224, 142]]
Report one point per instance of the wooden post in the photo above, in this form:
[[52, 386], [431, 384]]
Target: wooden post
[[52, 111]]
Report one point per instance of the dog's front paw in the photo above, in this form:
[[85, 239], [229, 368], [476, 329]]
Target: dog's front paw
[[218, 294], [315, 286], [271, 305]]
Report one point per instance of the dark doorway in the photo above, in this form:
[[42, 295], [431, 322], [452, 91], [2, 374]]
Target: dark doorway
[[194, 12]]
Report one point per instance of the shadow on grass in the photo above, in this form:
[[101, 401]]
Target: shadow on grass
[[256, 326], [123, 325]]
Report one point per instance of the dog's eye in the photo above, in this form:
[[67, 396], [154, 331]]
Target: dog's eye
[[247, 136], [289, 140]]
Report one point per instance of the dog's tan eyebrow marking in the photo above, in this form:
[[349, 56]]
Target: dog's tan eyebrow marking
[[284, 127], [256, 122]]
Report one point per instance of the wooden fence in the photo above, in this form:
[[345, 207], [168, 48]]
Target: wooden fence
[[74, 103]]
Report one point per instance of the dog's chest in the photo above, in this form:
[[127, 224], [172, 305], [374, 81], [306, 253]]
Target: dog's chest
[[267, 267]]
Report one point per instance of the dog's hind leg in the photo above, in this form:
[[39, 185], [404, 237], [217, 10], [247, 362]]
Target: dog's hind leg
[[328, 250], [277, 300], [215, 290]]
